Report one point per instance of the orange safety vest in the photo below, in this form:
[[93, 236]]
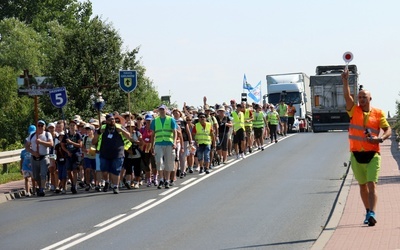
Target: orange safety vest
[[357, 136]]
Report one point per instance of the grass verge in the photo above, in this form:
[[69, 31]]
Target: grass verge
[[12, 174]]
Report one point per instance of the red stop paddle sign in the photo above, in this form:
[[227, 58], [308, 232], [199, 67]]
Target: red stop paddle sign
[[348, 57]]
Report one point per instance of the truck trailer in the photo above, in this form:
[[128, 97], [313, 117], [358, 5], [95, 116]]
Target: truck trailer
[[292, 88], [327, 99]]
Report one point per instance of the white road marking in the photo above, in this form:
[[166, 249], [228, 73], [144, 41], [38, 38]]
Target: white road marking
[[63, 241], [110, 220], [169, 191], [143, 204], [188, 181]]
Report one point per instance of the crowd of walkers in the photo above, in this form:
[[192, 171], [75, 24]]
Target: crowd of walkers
[[153, 148]]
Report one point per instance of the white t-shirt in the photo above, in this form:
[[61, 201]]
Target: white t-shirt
[[43, 150]]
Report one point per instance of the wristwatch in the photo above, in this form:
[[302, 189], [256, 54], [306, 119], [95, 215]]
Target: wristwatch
[[381, 140]]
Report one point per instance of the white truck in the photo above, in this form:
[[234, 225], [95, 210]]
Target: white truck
[[328, 104], [292, 88]]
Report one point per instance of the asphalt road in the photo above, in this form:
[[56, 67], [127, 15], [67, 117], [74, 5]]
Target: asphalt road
[[279, 198]]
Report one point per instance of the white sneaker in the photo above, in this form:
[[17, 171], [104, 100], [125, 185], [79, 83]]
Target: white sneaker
[[136, 186], [242, 155]]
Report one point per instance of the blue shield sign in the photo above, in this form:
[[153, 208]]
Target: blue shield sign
[[128, 80], [58, 97]]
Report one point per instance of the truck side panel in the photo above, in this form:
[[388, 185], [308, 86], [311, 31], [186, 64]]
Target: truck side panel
[[328, 104]]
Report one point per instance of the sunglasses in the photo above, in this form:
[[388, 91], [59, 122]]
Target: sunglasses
[[202, 117], [139, 119], [40, 125]]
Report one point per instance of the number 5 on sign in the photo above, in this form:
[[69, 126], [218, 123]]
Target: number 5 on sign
[[58, 97]]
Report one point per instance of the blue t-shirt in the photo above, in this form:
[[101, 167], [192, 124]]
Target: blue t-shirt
[[26, 160], [174, 126]]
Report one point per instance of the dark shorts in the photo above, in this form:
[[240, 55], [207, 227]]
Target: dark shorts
[[258, 133], [284, 119], [148, 161], [72, 162], [62, 171], [112, 166], [238, 136], [223, 142], [89, 163]]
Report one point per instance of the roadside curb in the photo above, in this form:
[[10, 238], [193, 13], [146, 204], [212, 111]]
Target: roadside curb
[[337, 213], [12, 195]]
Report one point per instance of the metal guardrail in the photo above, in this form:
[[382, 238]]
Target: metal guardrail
[[10, 156]]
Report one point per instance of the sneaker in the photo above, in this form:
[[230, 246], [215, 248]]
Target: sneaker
[[136, 186], [183, 174], [128, 184], [73, 189], [156, 183], [106, 186], [207, 171], [160, 184], [171, 183], [276, 141], [63, 191], [97, 188], [371, 219], [41, 192], [52, 188], [81, 184], [88, 187], [262, 148], [366, 218], [115, 190], [27, 194], [237, 157], [57, 191], [190, 170], [201, 170], [242, 155], [149, 184], [250, 150], [166, 185]]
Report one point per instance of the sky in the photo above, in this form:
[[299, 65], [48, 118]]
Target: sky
[[194, 48]]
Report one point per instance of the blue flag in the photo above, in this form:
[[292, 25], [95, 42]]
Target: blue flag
[[255, 93], [246, 85]]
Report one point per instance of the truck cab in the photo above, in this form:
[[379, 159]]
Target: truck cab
[[292, 88]]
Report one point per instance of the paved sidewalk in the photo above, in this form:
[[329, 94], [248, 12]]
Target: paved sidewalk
[[350, 232]]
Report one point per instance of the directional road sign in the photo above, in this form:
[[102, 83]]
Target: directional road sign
[[58, 97], [128, 80]]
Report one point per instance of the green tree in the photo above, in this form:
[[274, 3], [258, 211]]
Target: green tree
[[69, 13], [15, 113], [21, 46]]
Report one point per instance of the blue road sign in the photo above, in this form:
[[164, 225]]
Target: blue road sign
[[127, 80], [58, 97]]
